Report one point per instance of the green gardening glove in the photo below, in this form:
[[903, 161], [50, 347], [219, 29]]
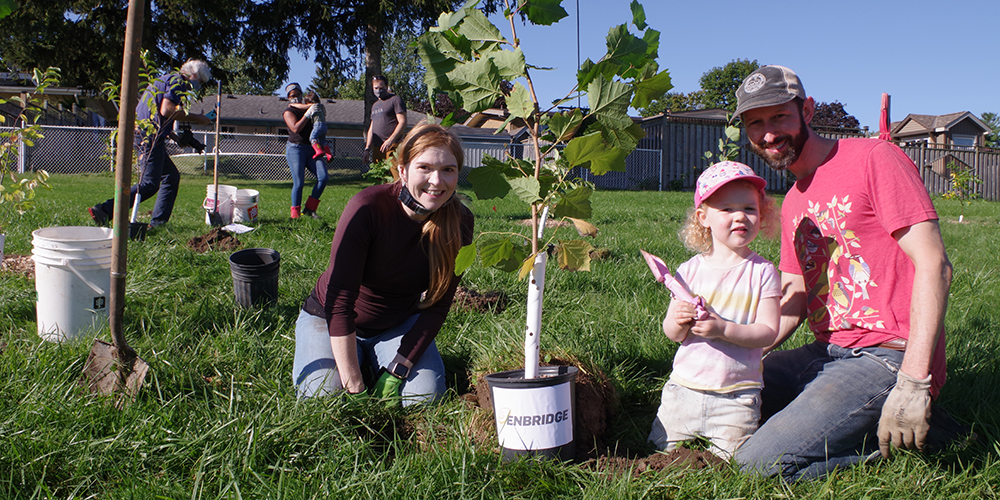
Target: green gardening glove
[[387, 388], [359, 397]]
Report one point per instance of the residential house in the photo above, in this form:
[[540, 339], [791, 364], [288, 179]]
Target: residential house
[[959, 130]]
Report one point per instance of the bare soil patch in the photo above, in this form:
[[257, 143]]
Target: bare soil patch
[[216, 239], [468, 299], [18, 264]]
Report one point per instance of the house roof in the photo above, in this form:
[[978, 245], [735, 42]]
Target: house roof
[[924, 124], [267, 110]]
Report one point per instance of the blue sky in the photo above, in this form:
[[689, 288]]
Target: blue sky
[[931, 57]]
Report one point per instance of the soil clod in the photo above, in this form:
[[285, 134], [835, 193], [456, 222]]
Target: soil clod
[[468, 299], [216, 239]]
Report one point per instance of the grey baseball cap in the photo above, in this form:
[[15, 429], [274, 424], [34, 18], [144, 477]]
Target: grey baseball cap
[[292, 86], [768, 86]]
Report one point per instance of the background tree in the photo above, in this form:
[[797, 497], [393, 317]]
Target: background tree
[[833, 115], [720, 84], [238, 80], [400, 63], [674, 102], [85, 37], [993, 121]]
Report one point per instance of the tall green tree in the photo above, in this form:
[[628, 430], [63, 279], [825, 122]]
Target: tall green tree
[[85, 37], [833, 115], [674, 102], [993, 121], [400, 64], [720, 83]]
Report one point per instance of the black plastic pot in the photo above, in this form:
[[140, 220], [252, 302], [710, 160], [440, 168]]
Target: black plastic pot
[[535, 416], [255, 276]]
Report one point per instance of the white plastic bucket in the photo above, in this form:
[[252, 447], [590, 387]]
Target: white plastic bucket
[[72, 280], [245, 205], [226, 195]]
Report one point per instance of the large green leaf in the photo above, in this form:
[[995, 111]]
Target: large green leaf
[[519, 102], [582, 149], [625, 139], [625, 47], [564, 125], [651, 89], [495, 250], [448, 20], [652, 39], [439, 57], [543, 12], [575, 203], [6, 7], [490, 180], [478, 83], [574, 255], [591, 151], [609, 102], [465, 258], [638, 15], [509, 63], [526, 188], [477, 27], [612, 159], [517, 255]]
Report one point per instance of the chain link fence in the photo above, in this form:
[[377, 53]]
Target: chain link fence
[[77, 150]]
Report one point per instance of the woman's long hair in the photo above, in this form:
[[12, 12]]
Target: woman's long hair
[[442, 232]]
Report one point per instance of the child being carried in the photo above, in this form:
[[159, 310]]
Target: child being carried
[[317, 113]]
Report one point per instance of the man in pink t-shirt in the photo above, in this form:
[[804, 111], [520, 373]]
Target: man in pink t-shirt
[[860, 243]]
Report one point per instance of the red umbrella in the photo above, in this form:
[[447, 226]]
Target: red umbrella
[[883, 121]]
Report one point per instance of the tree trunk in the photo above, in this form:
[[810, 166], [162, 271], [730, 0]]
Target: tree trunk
[[373, 66]]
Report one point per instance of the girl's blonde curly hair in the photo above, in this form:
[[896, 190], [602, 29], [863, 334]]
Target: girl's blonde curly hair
[[698, 238]]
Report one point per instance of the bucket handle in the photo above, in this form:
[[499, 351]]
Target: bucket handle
[[68, 263]]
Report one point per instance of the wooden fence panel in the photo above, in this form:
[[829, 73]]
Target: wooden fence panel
[[684, 142]]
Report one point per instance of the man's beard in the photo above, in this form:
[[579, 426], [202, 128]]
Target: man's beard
[[781, 161]]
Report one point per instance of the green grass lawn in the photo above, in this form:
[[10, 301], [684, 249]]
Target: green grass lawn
[[217, 416]]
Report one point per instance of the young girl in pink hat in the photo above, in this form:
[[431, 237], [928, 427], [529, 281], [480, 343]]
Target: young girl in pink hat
[[714, 389]]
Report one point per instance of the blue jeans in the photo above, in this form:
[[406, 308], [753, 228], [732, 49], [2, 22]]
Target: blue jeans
[[314, 370], [160, 177], [300, 158], [318, 134], [825, 402]]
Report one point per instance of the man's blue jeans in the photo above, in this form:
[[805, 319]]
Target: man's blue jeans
[[300, 158], [825, 401]]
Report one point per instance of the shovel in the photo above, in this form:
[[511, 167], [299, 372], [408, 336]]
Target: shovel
[[117, 368], [662, 274], [214, 217]]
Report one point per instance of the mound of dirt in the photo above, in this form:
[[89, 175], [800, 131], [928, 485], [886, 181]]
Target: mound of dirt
[[18, 264], [216, 239], [468, 299]]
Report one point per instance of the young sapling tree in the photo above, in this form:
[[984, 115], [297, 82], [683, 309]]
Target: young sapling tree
[[468, 57]]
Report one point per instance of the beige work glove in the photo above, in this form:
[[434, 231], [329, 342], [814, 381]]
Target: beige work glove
[[905, 414]]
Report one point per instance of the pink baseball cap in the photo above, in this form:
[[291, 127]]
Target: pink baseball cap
[[722, 173]]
